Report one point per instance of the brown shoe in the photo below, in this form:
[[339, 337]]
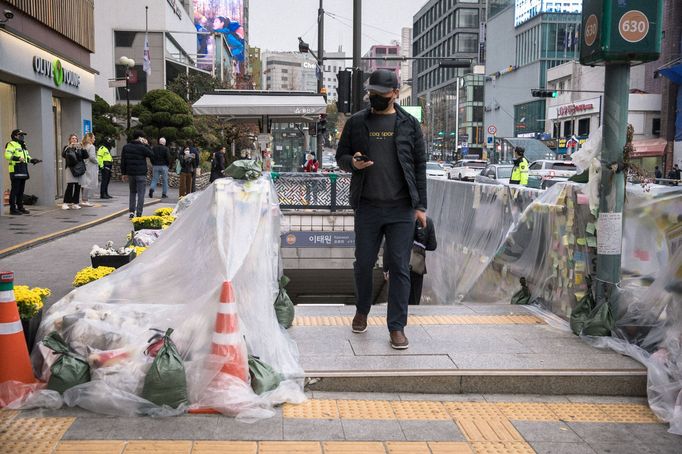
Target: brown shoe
[[359, 323], [398, 340]]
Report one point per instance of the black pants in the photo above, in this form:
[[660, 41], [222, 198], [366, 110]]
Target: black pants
[[72, 193], [106, 178], [16, 193], [138, 187], [417, 282], [396, 225]]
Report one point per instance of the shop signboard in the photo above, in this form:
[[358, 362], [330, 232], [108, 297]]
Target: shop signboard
[[318, 239]]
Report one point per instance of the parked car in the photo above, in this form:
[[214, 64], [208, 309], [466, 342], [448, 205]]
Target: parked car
[[546, 172], [466, 169], [498, 172], [435, 170]]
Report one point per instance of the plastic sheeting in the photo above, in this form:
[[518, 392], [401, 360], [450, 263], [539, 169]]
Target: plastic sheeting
[[229, 232]]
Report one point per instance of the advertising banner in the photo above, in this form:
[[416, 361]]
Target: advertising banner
[[219, 16]]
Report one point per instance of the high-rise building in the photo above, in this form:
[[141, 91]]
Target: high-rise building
[[47, 85], [289, 71], [335, 62], [378, 52], [256, 68], [406, 66]]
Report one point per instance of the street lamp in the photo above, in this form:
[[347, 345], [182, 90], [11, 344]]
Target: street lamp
[[129, 63]]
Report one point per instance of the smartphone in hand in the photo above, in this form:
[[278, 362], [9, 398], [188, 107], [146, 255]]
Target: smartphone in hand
[[361, 158]]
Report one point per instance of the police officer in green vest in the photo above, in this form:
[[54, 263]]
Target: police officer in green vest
[[106, 163], [520, 171], [17, 162]]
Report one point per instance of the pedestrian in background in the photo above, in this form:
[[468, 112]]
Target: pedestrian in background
[[520, 170], [194, 151], [160, 164], [186, 164], [658, 174], [106, 164], [18, 158], [73, 156], [217, 164], [383, 147], [134, 168], [89, 180]]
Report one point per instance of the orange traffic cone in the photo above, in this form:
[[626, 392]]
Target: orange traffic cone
[[227, 340], [15, 364]]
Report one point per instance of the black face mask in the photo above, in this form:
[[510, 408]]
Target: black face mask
[[379, 103]]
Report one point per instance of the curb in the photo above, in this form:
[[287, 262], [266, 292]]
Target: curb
[[61, 233]]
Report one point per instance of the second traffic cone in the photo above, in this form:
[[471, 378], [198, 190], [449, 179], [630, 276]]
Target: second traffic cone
[[228, 342], [15, 364]]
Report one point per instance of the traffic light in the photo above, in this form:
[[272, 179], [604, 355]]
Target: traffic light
[[544, 93], [451, 63], [322, 124], [343, 91]]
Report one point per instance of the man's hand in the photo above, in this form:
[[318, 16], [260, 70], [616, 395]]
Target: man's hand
[[22, 160], [421, 217], [361, 165], [124, 178]]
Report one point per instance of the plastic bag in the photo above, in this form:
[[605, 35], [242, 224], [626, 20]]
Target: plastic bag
[[591, 149], [523, 295], [244, 169], [599, 322], [69, 370], [263, 377], [166, 382], [581, 313], [284, 307]]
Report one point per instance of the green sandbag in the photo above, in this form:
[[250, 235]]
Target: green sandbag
[[166, 383], [284, 307], [244, 169], [523, 295], [263, 377], [600, 321], [581, 312], [69, 370]]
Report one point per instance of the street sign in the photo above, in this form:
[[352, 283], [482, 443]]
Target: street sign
[[117, 83], [490, 141], [492, 130], [618, 31]]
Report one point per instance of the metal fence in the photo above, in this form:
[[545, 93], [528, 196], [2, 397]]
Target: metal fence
[[321, 191]]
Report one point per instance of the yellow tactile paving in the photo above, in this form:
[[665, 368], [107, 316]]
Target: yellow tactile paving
[[420, 410], [629, 413], [27, 447], [407, 447], [513, 447], [579, 412], [289, 447], [222, 447], [35, 429], [353, 447], [489, 429], [527, 411], [159, 447], [6, 416], [424, 320], [96, 447], [312, 409], [450, 447], [365, 409], [473, 410]]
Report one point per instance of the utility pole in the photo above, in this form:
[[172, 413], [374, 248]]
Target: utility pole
[[320, 68], [357, 82]]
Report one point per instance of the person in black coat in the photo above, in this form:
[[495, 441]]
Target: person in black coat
[[217, 164], [134, 169]]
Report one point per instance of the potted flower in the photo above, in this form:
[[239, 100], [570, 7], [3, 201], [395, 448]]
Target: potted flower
[[30, 302], [109, 256], [89, 274]]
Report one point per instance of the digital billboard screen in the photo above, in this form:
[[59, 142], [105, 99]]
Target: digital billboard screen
[[219, 16], [525, 10]]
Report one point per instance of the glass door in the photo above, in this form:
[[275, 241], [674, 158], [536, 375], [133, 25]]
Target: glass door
[[59, 164]]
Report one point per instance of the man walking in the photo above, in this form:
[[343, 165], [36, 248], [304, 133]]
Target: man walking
[[18, 158], [134, 167], [160, 163], [384, 149]]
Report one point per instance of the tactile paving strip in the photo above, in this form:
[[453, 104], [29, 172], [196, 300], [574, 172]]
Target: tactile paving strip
[[407, 447], [489, 429], [159, 447], [94, 447], [353, 447], [578, 412], [514, 447], [312, 409], [425, 320], [27, 447], [527, 411], [629, 413], [450, 447], [420, 410], [35, 429], [365, 409], [289, 447], [6, 416], [473, 410], [222, 447]]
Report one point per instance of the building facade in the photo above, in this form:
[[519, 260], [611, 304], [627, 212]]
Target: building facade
[[256, 68], [335, 62], [47, 84], [406, 66], [376, 53], [289, 71]]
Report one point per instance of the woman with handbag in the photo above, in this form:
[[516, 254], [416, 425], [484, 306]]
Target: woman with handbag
[[75, 169], [89, 180]]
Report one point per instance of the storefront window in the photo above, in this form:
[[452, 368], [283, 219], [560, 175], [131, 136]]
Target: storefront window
[[584, 127], [8, 122]]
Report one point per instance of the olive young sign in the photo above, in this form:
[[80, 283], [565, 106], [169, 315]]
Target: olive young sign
[[55, 71]]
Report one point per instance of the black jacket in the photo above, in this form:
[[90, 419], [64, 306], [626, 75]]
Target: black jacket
[[426, 236], [134, 159], [217, 166], [161, 156], [186, 162], [409, 143]]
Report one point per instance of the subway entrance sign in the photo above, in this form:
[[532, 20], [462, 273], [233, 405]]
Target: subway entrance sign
[[621, 31]]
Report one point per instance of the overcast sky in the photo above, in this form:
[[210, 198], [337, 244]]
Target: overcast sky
[[276, 24]]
